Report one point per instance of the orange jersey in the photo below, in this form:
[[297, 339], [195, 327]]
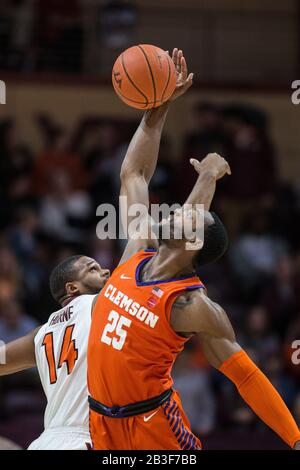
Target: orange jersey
[[132, 346]]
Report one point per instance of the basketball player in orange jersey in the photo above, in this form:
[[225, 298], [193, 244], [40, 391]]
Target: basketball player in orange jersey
[[59, 347], [149, 308]]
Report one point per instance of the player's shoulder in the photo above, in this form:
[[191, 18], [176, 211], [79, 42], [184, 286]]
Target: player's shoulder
[[83, 299], [195, 312], [190, 297], [79, 307]]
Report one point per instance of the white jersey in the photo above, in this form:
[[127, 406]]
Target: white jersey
[[61, 357]]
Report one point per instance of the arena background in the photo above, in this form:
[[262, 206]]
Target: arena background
[[63, 134]]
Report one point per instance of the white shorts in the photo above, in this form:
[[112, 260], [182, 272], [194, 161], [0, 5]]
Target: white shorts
[[65, 438]]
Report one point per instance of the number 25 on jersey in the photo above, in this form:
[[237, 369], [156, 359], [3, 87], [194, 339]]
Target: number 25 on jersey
[[114, 333]]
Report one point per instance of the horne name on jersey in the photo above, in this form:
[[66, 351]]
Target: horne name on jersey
[[117, 297], [62, 317]]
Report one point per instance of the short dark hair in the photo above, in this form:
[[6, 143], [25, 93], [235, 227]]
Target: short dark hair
[[215, 243], [64, 272]]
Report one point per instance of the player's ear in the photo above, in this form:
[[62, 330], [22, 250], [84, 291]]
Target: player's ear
[[72, 288]]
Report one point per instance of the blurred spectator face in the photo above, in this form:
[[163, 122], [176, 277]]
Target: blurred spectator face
[[60, 183], [257, 321], [11, 314], [61, 142], [273, 366], [27, 219], [8, 264], [7, 290], [284, 269]]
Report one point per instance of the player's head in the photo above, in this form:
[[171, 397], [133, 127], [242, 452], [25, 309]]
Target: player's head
[[185, 223], [215, 242], [77, 275]]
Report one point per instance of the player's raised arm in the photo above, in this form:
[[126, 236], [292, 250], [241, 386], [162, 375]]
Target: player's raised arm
[[18, 355], [141, 157], [203, 316], [210, 169]]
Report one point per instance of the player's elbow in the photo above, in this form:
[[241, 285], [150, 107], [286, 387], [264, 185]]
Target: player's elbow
[[128, 174]]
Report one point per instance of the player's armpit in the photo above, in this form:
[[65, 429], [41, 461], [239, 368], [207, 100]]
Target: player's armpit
[[18, 355]]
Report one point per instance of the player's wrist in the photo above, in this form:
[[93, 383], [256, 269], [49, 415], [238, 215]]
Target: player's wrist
[[154, 117], [209, 172]]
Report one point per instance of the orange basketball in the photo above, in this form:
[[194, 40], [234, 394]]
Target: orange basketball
[[144, 76]]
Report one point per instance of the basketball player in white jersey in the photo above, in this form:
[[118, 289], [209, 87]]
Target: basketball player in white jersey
[[58, 349]]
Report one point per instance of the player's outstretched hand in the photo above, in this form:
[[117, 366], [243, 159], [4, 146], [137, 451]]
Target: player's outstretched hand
[[183, 80], [213, 162]]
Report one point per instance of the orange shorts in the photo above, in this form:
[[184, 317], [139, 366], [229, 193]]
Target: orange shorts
[[165, 428]]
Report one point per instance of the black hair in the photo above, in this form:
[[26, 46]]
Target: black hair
[[61, 274], [215, 243]]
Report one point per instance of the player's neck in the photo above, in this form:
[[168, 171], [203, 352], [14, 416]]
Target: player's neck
[[67, 300], [168, 263]]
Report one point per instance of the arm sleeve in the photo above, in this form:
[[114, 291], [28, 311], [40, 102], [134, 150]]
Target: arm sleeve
[[261, 396]]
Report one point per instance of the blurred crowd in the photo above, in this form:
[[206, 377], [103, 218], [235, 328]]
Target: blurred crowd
[[69, 37], [48, 212]]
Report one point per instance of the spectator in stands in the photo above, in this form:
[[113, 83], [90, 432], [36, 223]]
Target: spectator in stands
[[251, 156], [162, 187], [208, 136], [10, 274], [280, 294], [297, 409], [14, 323], [65, 213], [254, 254], [194, 386], [103, 162], [55, 155], [257, 334], [15, 170]]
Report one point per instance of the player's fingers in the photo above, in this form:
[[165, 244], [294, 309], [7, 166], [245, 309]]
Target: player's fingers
[[178, 65], [195, 163], [174, 55], [188, 82], [183, 68], [190, 79], [228, 169]]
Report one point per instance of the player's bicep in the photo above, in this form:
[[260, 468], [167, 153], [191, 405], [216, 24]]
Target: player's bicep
[[200, 315], [217, 335]]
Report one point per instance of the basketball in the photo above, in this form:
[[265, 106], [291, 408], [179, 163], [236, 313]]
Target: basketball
[[144, 76]]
